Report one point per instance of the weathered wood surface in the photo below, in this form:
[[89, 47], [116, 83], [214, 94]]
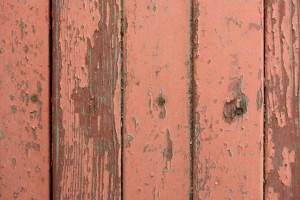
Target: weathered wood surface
[[228, 69], [24, 99], [156, 100], [86, 99], [282, 100]]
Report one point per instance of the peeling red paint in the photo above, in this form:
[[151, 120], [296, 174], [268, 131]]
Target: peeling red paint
[[181, 84], [282, 99], [284, 172], [87, 114]]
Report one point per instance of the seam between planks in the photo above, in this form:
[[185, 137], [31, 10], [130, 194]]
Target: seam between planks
[[264, 100], [122, 84], [50, 99], [191, 98], [55, 92]]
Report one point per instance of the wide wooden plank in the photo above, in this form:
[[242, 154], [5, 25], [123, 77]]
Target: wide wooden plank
[[156, 100], [228, 67], [86, 103], [24, 89], [282, 166]]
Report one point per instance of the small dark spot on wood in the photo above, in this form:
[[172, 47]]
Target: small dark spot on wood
[[14, 161], [235, 107], [13, 108], [161, 101], [34, 98], [129, 140], [26, 48], [239, 111], [162, 114]]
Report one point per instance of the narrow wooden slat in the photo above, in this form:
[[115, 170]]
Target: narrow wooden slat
[[228, 67], [156, 100], [24, 99], [282, 100], [86, 103]]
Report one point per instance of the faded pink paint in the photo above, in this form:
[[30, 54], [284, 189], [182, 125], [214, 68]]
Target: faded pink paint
[[156, 100], [24, 99], [228, 53]]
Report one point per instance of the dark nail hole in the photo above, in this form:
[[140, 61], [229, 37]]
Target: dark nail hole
[[239, 111], [34, 98], [160, 101]]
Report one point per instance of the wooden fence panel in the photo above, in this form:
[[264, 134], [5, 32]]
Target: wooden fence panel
[[150, 99], [156, 100], [24, 99], [86, 99], [282, 166], [228, 67]]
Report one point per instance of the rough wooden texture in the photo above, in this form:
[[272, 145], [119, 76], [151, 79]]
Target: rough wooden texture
[[156, 100], [282, 100], [24, 99], [228, 67], [86, 103]]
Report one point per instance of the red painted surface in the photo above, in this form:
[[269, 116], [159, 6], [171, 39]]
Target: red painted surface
[[24, 99], [228, 66], [86, 83], [282, 100], [151, 99], [156, 100]]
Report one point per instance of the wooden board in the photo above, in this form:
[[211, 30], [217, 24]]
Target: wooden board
[[156, 100], [228, 68], [86, 99], [282, 166], [24, 99]]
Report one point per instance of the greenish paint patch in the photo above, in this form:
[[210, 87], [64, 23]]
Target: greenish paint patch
[[39, 86], [13, 108], [14, 161], [2, 135], [26, 48], [34, 98], [259, 99]]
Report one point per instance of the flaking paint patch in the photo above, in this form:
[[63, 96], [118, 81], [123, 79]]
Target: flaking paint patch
[[284, 172], [89, 83], [168, 151], [282, 101], [270, 151], [272, 194]]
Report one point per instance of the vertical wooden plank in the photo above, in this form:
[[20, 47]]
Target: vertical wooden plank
[[86, 99], [156, 100], [24, 89], [228, 67], [282, 100]]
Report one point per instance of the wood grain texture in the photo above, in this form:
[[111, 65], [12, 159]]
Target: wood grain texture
[[86, 103], [156, 100], [24, 99], [228, 72], [282, 100]]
